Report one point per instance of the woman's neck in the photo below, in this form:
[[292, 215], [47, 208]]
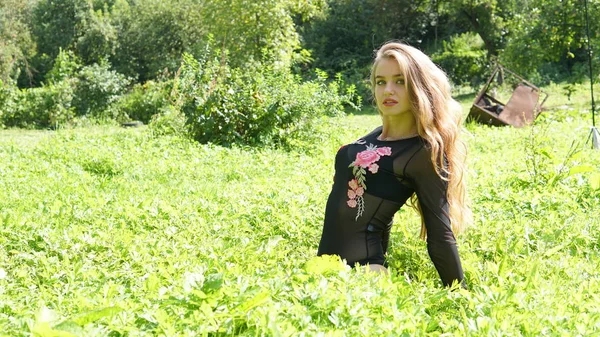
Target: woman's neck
[[398, 127]]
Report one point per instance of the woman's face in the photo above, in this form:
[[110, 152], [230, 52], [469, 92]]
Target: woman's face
[[390, 91]]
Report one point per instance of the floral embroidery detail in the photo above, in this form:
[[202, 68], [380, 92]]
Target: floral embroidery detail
[[355, 196], [353, 184], [384, 151], [359, 142], [351, 194], [360, 191], [364, 160]]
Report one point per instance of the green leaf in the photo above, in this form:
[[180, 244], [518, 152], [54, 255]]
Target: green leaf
[[546, 152], [94, 315], [580, 169], [555, 250], [213, 282], [43, 329], [255, 301], [595, 181], [69, 326]]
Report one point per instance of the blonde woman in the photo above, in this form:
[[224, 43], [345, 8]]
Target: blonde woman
[[415, 155]]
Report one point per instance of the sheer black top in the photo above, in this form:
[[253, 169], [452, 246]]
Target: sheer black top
[[373, 179]]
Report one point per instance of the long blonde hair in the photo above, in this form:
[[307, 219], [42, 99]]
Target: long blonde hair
[[438, 117]]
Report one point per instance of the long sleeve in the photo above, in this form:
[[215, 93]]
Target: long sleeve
[[431, 192]]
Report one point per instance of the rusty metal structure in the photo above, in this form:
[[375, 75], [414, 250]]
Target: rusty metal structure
[[520, 110]]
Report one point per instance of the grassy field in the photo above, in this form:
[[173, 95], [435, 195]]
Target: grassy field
[[114, 232]]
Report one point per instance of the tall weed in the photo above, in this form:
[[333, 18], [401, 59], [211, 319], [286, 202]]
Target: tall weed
[[545, 167]]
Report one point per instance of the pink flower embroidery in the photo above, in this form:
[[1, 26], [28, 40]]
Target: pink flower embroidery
[[353, 184], [366, 158], [359, 192], [384, 151]]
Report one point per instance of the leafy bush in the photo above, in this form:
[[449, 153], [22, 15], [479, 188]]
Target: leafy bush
[[43, 107], [98, 87], [6, 100], [252, 105], [463, 59], [46, 106], [144, 100], [170, 121], [357, 80], [66, 66]]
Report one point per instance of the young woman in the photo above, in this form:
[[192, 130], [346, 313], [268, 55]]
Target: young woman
[[416, 154]]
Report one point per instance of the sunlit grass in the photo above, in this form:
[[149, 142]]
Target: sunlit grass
[[112, 232]]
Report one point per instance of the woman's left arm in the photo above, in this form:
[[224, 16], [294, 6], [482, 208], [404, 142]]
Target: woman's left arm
[[431, 192]]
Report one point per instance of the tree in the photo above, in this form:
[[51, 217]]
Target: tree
[[55, 25], [490, 19], [549, 37], [352, 29], [16, 44], [98, 39], [258, 30], [153, 35]]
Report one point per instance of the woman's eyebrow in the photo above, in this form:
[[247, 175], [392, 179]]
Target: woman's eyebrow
[[397, 75]]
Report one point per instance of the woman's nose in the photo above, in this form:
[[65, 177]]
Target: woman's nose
[[389, 88]]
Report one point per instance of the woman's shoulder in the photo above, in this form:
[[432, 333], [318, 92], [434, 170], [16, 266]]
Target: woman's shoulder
[[421, 156]]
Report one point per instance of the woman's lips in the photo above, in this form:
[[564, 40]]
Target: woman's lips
[[390, 102]]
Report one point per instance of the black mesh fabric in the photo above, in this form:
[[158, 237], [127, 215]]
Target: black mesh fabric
[[373, 179]]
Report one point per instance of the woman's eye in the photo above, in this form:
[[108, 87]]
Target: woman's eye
[[400, 82], [380, 82]]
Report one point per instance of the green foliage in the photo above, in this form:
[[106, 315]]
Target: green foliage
[[55, 25], [548, 40], [463, 59], [144, 100], [145, 40], [346, 36], [98, 87], [46, 325], [153, 34], [66, 66], [122, 233], [547, 168], [7, 91], [43, 107], [98, 39], [252, 105], [490, 19], [258, 31], [16, 44], [169, 122], [343, 39], [70, 90]]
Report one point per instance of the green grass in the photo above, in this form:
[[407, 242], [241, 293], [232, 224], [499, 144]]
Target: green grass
[[113, 232]]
